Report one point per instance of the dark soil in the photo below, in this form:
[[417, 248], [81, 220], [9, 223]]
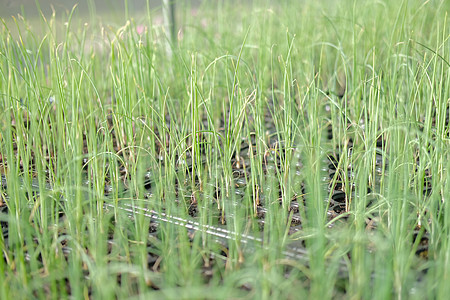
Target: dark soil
[[338, 204]]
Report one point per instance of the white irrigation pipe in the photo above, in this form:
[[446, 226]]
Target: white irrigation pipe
[[221, 235]]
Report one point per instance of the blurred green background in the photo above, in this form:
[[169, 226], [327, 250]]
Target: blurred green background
[[113, 8]]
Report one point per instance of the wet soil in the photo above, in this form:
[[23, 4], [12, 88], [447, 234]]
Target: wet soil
[[186, 190]]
